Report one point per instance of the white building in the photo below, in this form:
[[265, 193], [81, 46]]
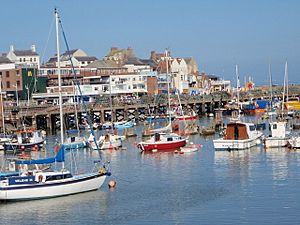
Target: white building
[[28, 58]]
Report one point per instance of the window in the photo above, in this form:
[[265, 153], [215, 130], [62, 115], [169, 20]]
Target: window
[[20, 59], [7, 84], [30, 59], [7, 73], [0, 73], [18, 83], [18, 72], [34, 59], [24, 60]]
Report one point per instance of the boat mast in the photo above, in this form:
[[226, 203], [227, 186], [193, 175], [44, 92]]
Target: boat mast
[[238, 88], [283, 93], [287, 81], [111, 106], [59, 80], [270, 77], [168, 85], [2, 105]]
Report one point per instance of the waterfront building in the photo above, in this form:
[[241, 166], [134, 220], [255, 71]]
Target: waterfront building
[[211, 83], [11, 78], [24, 58]]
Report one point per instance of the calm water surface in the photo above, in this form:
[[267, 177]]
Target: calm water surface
[[205, 187]]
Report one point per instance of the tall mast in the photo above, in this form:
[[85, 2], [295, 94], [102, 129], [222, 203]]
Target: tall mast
[[59, 78], [237, 88], [167, 75], [283, 93], [270, 77], [287, 80], [2, 105], [111, 106]]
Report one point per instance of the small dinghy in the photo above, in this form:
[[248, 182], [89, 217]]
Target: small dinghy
[[190, 148]]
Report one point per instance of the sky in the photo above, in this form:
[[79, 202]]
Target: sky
[[218, 33]]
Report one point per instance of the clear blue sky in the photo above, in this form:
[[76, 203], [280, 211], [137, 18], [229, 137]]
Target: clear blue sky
[[217, 33]]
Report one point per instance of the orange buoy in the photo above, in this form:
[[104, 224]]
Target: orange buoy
[[112, 184]]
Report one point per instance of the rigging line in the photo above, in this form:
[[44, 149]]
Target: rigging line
[[47, 42], [79, 89]]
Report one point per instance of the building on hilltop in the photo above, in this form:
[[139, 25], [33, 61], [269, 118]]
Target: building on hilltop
[[77, 57], [24, 58], [119, 56]]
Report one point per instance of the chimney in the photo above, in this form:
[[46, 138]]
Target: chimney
[[112, 49], [33, 48], [153, 55], [11, 48]]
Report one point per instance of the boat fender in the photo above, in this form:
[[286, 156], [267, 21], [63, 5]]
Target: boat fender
[[41, 178], [102, 171]]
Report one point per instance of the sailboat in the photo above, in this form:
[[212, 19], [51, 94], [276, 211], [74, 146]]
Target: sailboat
[[238, 135], [73, 139], [278, 136], [110, 140], [160, 140], [36, 184]]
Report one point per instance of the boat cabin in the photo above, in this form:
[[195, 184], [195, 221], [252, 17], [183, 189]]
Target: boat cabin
[[277, 129], [238, 131]]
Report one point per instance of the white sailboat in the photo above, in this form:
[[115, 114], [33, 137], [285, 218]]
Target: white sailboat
[[278, 136], [238, 135], [36, 184], [109, 140]]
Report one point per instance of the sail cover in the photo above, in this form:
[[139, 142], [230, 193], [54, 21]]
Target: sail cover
[[60, 157]]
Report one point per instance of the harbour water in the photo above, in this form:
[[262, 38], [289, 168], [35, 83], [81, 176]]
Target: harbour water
[[254, 186]]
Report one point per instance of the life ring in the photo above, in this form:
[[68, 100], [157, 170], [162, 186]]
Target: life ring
[[40, 178]]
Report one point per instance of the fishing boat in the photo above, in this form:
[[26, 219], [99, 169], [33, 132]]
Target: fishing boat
[[162, 142], [278, 135], [25, 140], [238, 135]]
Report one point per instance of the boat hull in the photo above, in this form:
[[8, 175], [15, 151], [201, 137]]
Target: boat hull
[[75, 185], [275, 142], [146, 146], [222, 144], [186, 117], [8, 147]]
